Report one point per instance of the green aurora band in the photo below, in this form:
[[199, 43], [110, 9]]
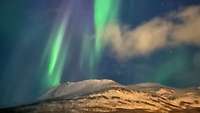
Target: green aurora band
[[105, 12], [56, 49], [57, 54]]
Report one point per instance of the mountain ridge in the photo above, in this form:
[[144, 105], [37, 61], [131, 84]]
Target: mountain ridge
[[107, 96]]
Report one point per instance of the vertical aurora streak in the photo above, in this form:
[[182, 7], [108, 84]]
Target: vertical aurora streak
[[105, 13], [56, 49], [86, 54], [57, 54]]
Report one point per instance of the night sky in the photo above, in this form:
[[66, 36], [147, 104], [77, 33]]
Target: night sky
[[46, 42]]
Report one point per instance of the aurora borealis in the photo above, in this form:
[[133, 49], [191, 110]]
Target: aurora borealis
[[105, 12], [55, 54], [102, 17], [44, 43], [53, 67]]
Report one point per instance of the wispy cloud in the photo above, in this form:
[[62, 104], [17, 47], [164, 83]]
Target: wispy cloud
[[176, 28]]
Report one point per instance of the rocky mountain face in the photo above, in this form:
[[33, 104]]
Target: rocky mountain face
[[107, 96]]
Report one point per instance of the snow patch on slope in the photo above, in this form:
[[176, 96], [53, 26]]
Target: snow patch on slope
[[70, 90]]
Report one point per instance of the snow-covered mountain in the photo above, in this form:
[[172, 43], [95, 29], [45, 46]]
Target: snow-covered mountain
[[71, 90], [107, 96]]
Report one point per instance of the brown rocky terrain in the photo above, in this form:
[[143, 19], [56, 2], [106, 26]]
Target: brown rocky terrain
[[111, 97]]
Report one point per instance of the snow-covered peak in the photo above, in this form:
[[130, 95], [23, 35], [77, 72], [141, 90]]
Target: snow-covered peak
[[75, 89]]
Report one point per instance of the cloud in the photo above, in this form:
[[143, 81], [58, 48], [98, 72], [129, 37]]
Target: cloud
[[172, 30]]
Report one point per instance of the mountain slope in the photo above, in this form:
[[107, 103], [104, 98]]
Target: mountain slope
[[71, 90], [106, 96]]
